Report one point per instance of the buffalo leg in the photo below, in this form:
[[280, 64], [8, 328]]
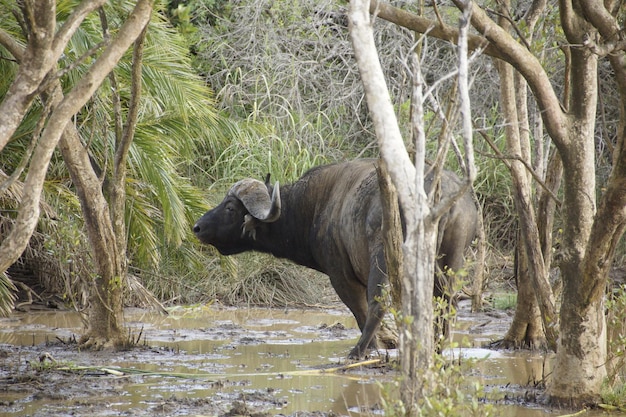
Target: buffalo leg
[[375, 312], [354, 296], [450, 262]]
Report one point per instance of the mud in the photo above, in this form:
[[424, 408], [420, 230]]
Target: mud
[[229, 362]]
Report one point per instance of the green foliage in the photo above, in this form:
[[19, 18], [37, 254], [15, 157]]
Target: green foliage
[[181, 18], [613, 396], [7, 295], [613, 391], [285, 160], [453, 394], [503, 301], [454, 390], [177, 122]]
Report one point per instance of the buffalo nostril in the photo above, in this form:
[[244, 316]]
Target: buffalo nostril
[[196, 229]]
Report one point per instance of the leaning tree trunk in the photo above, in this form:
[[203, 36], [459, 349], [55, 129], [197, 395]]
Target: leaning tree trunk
[[37, 60]]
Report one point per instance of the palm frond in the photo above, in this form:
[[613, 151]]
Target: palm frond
[[7, 295]]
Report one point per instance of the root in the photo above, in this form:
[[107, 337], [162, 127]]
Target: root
[[96, 343], [530, 343]]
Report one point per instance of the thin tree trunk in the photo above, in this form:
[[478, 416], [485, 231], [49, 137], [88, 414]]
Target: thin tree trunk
[[546, 208], [105, 315], [529, 234], [478, 280], [117, 185], [526, 329], [416, 334]]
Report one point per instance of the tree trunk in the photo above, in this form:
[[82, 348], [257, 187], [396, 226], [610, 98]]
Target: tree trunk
[[528, 237], [106, 308], [416, 333], [581, 355], [478, 280], [546, 207], [35, 61], [526, 330], [105, 314]]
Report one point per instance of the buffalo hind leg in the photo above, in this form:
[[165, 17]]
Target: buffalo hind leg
[[377, 279], [354, 295], [445, 285]]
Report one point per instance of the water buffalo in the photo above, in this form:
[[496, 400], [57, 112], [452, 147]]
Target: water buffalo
[[330, 220]]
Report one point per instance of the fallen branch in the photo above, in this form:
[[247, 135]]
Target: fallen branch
[[114, 371]]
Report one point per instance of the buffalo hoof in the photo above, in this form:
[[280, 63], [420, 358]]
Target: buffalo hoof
[[358, 353]]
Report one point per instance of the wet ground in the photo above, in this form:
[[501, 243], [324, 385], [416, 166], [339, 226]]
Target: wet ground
[[226, 362]]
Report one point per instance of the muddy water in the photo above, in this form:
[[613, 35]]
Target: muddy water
[[269, 357]]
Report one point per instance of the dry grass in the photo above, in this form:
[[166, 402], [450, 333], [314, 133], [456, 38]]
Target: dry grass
[[268, 281]]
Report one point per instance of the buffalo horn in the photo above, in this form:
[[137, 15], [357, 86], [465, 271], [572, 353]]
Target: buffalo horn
[[256, 198]]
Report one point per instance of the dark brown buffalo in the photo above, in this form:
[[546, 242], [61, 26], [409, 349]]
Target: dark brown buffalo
[[330, 220]]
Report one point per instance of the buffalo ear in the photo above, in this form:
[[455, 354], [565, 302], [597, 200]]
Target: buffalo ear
[[267, 180]]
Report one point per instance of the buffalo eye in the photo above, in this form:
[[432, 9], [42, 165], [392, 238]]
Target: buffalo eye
[[232, 213]]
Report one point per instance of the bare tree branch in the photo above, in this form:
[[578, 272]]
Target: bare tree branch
[[38, 61], [497, 43]]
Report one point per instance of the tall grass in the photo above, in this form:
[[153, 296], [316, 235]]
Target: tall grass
[[286, 160]]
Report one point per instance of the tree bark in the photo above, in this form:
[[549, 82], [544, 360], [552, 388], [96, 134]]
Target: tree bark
[[123, 142], [581, 353], [105, 313], [392, 234], [35, 62]]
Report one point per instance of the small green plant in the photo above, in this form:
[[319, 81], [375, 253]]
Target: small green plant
[[454, 391], [613, 396], [503, 301], [45, 362], [614, 390]]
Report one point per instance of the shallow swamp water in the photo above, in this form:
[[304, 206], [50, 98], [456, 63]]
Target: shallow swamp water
[[235, 361]]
